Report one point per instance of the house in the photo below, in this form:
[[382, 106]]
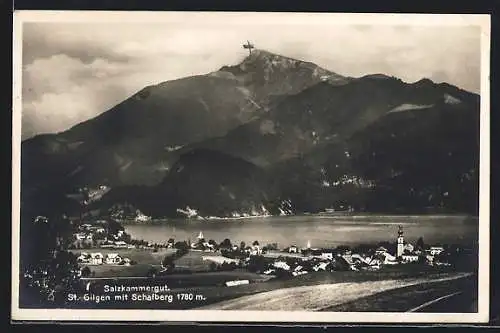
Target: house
[[120, 244], [79, 236], [297, 273], [108, 244], [375, 262], [208, 247], [96, 258], [298, 268], [85, 226], [293, 249], [236, 283], [385, 258], [409, 258], [327, 255], [408, 247], [255, 250], [99, 230], [83, 258], [381, 250], [435, 250], [281, 265], [113, 259], [322, 266], [357, 258], [347, 258]]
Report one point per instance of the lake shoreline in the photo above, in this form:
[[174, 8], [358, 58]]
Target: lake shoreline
[[345, 216]]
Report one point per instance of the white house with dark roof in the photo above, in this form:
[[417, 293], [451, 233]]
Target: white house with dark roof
[[113, 259], [435, 250], [121, 244], [79, 236], [96, 258], [83, 258], [282, 265]]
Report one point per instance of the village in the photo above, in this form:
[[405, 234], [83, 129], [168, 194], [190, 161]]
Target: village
[[105, 244]]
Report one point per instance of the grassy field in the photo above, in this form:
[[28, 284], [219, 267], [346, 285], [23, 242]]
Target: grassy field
[[277, 254], [145, 259], [115, 271], [141, 256], [193, 261]]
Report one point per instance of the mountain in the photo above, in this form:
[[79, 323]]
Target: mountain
[[134, 143], [208, 183], [267, 133], [413, 158]]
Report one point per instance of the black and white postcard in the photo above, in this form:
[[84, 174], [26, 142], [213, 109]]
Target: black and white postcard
[[250, 167]]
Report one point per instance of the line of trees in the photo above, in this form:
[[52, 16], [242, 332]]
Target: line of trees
[[49, 271]]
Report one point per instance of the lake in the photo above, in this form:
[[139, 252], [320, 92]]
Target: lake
[[321, 231]]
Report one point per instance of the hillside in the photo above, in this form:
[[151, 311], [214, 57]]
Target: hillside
[[324, 114], [409, 161], [204, 182]]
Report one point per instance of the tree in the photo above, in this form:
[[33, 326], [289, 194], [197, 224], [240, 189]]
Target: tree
[[242, 246], [86, 272], [272, 246], [181, 245], [420, 244], [257, 264], [255, 243], [168, 262], [226, 243]]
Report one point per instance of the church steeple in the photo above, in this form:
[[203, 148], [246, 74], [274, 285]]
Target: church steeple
[[401, 242]]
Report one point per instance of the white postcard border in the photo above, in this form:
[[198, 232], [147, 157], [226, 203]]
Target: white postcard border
[[480, 20]]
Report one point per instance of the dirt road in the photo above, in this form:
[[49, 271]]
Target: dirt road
[[319, 297]]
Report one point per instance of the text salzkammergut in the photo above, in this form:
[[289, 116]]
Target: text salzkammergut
[[122, 288]]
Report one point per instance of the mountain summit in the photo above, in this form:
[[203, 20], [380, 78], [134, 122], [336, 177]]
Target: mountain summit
[[134, 143], [269, 74]]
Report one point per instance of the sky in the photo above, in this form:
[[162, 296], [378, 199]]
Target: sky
[[73, 71]]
